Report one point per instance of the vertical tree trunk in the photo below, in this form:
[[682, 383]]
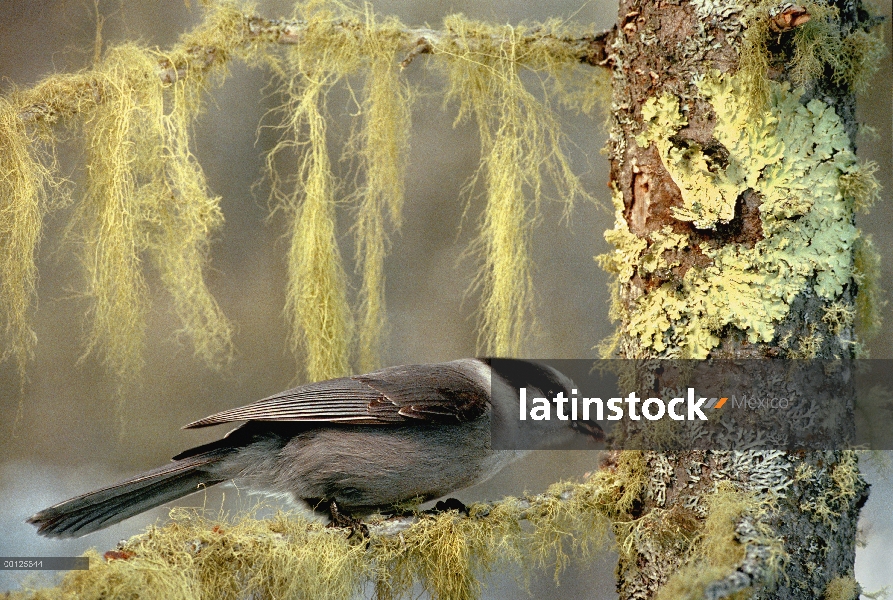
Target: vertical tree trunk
[[735, 239]]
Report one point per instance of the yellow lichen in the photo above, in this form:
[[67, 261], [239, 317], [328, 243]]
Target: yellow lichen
[[838, 316], [860, 186], [792, 156], [287, 556], [718, 550], [870, 300], [383, 148], [521, 141], [25, 180], [842, 588], [146, 196], [818, 43], [708, 194], [844, 483]]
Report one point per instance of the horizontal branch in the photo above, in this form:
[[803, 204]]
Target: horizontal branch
[[74, 92], [396, 525], [588, 49]]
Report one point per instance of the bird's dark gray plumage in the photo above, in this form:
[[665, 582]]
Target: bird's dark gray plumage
[[366, 442]]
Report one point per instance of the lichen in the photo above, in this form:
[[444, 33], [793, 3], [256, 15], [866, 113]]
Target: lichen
[[383, 145], [25, 185], [146, 196], [851, 55], [870, 297], [287, 556], [708, 193], [521, 146], [793, 156], [719, 548], [841, 484], [844, 587]]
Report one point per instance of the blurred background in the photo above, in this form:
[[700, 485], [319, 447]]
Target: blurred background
[[68, 439]]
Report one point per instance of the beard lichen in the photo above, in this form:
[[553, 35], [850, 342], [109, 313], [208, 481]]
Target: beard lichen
[[146, 199], [383, 145], [819, 43], [721, 545], [26, 186], [521, 140], [316, 292], [793, 156], [288, 556], [145, 193]]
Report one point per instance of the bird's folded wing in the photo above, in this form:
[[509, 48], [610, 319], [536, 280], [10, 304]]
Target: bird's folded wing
[[415, 393]]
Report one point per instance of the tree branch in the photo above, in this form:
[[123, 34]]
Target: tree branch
[[76, 91]]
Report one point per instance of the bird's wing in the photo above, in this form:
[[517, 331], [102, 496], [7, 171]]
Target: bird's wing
[[415, 393]]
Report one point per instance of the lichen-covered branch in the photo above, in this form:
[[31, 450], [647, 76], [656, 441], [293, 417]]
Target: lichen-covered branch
[[288, 556], [233, 32], [146, 190]]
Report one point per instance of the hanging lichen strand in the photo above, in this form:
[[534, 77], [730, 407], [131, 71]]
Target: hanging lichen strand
[[146, 192], [521, 141], [316, 296], [316, 293], [145, 196], [382, 145], [24, 182]]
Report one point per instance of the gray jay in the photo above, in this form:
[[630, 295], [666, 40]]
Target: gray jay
[[363, 443]]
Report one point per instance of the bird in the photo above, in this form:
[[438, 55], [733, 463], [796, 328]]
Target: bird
[[356, 444]]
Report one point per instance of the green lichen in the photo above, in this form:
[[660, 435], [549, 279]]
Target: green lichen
[[708, 194], [661, 242], [793, 156]]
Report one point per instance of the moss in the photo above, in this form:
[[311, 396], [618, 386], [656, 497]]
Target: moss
[[792, 156]]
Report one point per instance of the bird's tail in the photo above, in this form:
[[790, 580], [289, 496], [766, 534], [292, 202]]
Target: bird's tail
[[107, 506]]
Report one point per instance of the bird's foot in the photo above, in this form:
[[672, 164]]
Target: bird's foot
[[443, 506], [340, 519]]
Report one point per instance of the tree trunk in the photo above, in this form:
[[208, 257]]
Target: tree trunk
[[735, 239]]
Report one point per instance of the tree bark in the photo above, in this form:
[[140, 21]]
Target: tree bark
[[797, 533]]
